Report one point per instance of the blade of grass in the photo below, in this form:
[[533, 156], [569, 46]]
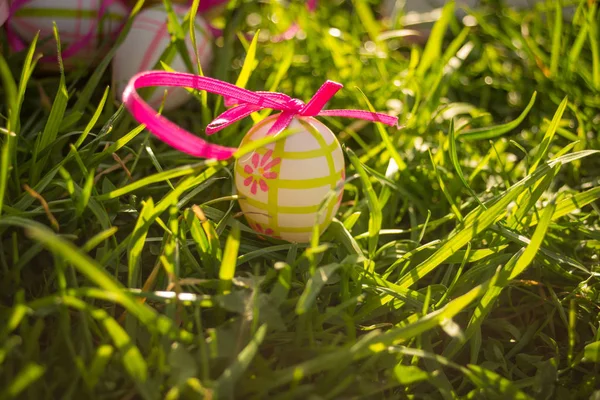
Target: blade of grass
[[136, 244], [50, 132], [549, 135], [98, 238], [456, 163], [479, 220], [90, 269], [498, 130], [314, 286], [230, 254], [250, 63], [515, 266], [433, 49], [385, 138], [445, 191], [26, 377], [557, 33], [14, 98], [571, 204], [375, 217], [224, 387]]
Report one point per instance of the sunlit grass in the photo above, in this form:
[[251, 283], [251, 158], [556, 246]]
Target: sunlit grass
[[463, 262]]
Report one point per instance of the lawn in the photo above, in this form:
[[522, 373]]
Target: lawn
[[462, 263]]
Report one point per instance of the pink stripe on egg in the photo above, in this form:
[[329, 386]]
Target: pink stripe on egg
[[150, 51]]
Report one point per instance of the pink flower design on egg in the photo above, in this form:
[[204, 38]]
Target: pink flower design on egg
[[261, 230], [260, 170]]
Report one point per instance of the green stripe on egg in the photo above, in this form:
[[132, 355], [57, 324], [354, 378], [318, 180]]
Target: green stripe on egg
[[281, 186]]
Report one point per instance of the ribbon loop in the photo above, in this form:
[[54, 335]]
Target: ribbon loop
[[246, 102]]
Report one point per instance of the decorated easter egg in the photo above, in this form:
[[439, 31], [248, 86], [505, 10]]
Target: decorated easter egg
[[86, 27], [145, 44], [3, 11], [283, 185]]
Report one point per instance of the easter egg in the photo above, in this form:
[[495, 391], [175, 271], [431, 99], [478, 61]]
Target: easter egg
[[3, 11], [83, 24], [145, 44], [282, 186]]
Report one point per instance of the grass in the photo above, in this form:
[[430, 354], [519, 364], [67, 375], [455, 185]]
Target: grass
[[463, 262]]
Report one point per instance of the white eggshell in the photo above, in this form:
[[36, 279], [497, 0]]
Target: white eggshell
[[282, 186], [3, 11], [74, 19], [144, 45]]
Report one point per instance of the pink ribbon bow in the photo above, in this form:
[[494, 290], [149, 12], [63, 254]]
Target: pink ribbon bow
[[246, 102]]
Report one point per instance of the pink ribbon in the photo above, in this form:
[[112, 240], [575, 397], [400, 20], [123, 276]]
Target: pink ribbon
[[246, 102], [17, 44]]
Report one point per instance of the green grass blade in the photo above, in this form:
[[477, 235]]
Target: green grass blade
[[224, 387], [132, 358], [92, 122], [14, 99], [571, 204], [375, 217], [433, 49], [136, 245], [593, 37], [513, 268], [479, 220], [98, 238], [230, 254], [385, 138], [250, 63], [476, 222], [557, 33], [592, 352], [456, 163], [98, 364], [50, 132], [159, 177], [445, 191], [26, 377], [6, 155], [549, 135], [314, 286], [90, 269], [529, 199], [363, 10], [498, 130], [493, 384]]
